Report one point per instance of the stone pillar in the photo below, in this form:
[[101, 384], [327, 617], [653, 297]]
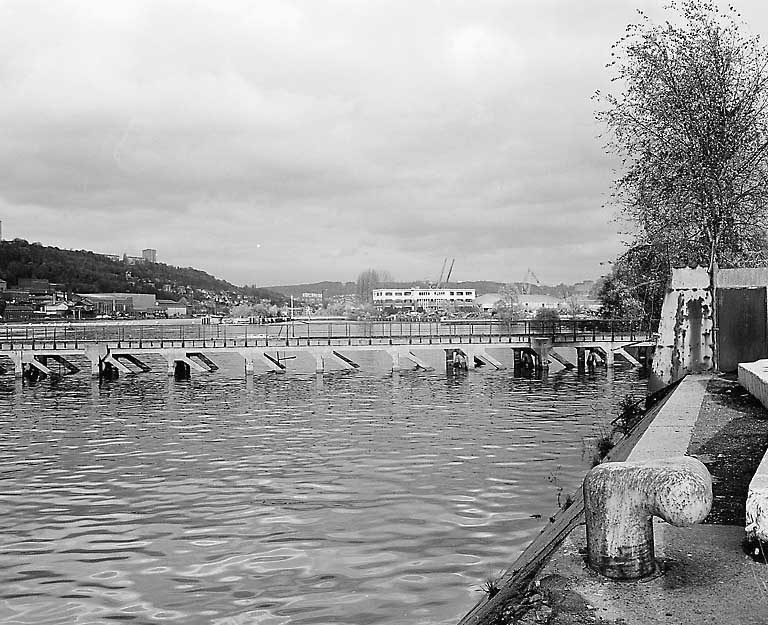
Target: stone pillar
[[620, 501]]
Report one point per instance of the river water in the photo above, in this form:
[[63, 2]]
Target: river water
[[355, 497]]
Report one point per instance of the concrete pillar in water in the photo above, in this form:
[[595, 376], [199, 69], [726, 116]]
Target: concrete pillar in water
[[95, 354], [581, 357], [620, 501], [319, 362], [469, 353], [542, 347], [609, 356], [394, 354], [181, 370], [18, 367], [249, 367]]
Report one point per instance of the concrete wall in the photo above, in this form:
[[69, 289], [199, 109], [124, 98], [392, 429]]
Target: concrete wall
[[685, 343], [742, 277]]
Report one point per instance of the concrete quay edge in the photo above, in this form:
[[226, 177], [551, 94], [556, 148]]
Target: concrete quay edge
[[705, 577], [670, 433]]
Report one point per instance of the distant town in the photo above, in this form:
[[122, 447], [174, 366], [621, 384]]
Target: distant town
[[32, 288]]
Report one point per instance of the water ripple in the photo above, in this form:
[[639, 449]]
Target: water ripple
[[349, 498]]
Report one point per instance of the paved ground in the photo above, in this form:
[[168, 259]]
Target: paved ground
[[705, 577]]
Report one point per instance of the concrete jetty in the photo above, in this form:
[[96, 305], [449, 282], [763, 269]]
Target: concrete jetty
[[704, 575]]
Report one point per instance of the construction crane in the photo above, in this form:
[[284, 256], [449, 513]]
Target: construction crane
[[526, 284], [440, 279], [450, 271]]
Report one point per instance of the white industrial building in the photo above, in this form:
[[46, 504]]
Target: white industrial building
[[417, 297]]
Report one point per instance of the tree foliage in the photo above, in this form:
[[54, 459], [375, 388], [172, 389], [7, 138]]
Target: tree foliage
[[636, 285], [689, 123]]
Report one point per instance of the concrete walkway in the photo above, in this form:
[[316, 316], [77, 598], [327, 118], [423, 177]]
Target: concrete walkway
[[705, 576]]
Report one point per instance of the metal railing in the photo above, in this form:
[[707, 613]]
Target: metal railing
[[132, 336]]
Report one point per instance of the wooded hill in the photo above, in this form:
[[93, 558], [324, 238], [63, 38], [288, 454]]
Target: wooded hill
[[82, 271]]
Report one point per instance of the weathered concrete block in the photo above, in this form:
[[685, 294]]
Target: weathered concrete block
[[753, 376], [620, 501]]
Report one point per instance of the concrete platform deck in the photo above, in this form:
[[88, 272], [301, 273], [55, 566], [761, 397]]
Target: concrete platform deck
[[705, 576]]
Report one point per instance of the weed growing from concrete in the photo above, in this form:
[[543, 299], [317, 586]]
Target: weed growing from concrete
[[490, 586], [630, 413]]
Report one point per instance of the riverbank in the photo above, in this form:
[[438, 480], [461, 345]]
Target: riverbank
[[705, 576]]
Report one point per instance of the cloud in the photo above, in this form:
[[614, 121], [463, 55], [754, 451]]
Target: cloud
[[334, 134]]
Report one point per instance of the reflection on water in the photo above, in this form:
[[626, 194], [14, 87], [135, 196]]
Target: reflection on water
[[350, 498]]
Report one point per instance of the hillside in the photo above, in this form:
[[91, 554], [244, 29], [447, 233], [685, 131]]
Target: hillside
[[86, 272]]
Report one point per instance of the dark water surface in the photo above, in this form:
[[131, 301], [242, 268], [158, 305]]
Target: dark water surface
[[346, 498]]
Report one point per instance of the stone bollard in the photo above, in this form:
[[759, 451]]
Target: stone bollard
[[620, 500]]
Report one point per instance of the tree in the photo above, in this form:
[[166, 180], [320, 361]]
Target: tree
[[369, 280], [690, 127], [547, 314], [636, 285]]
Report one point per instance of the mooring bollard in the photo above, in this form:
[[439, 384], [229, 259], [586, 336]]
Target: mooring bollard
[[620, 501]]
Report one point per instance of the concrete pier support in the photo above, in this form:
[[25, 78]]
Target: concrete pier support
[[620, 501], [95, 354], [417, 361], [139, 364], [543, 348], [32, 362], [18, 368], [581, 357], [608, 356], [319, 361], [326, 355], [483, 356], [110, 360], [470, 354], [562, 359], [251, 355], [394, 354], [626, 356], [347, 363]]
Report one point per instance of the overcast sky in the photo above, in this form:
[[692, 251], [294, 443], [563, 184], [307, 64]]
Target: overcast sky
[[284, 142]]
